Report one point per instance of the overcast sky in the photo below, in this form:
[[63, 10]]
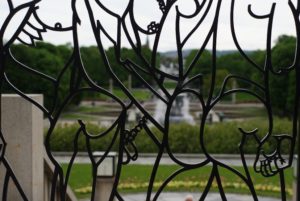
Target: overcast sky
[[251, 32]]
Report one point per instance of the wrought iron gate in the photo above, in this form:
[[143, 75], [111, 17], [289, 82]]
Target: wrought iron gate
[[128, 28]]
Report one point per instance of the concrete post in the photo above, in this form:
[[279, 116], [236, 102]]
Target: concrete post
[[22, 127], [105, 176], [104, 188]]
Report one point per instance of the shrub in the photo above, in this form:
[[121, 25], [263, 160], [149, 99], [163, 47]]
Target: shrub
[[222, 137]]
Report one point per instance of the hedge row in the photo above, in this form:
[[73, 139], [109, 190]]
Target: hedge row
[[183, 138]]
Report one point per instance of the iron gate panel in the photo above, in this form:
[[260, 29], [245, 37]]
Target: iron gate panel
[[124, 136]]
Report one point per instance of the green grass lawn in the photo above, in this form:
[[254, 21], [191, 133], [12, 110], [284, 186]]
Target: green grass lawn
[[170, 85], [90, 109], [135, 178], [139, 94], [144, 94], [75, 116], [244, 98]]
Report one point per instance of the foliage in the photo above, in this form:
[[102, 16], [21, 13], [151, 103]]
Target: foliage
[[282, 90], [50, 60], [130, 54], [64, 137], [46, 58], [282, 87], [203, 65], [183, 138], [94, 65]]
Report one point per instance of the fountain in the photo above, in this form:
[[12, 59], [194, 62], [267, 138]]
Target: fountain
[[179, 112]]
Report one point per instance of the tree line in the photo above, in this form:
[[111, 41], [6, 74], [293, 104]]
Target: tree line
[[282, 87], [51, 59]]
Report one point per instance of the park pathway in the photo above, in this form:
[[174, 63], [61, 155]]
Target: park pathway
[[181, 197], [148, 159]]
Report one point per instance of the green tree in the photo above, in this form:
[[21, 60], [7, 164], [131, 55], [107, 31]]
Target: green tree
[[94, 65], [45, 58], [129, 54], [203, 64], [282, 87]]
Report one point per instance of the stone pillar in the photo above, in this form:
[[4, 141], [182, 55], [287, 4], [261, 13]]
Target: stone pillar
[[104, 188], [105, 175], [22, 128]]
